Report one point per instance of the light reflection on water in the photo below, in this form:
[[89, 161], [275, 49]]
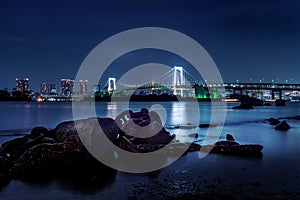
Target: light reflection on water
[[280, 163]]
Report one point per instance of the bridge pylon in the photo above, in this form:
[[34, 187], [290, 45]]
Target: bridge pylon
[[111, 84], [178, 79]]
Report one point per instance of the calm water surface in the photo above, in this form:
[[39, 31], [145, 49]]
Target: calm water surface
[[277, 170]]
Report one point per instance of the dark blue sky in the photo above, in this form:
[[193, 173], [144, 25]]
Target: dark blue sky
[[48, 40]]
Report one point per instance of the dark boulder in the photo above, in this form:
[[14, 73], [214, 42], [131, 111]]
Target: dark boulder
[[234, 148], [15, 148], [229, 137], [283, 126], [228, 148], [243, 106], [37, 131], [207, 125], [50, 156], [226, 143], [88, 128], [297, 117], [143, 127], [5, 164], [194, 135], [273, 121]]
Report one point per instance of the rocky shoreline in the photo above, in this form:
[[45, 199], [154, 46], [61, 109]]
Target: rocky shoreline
[[48, 151]]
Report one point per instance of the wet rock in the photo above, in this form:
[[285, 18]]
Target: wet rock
[[243, 106], [297, 117], [233, 148], [194, 147], [226, 143], [229, 137], [207, 125], [88, 128], [37, 131], [15, 148], [273, 121], [283, 126], [194, 135], [5, 164], [47, 156], [143, 127]]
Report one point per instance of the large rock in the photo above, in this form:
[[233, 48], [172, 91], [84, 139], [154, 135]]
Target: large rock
[[15, 148], [47, 156], [283, 126], [37, 131], [273, 121], [88, 128], [229, 137], [143, 127], [229, 148]]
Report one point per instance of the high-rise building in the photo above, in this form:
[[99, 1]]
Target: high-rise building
[[45, 88], [83, 86], [67, 87], [22, 85], [53, 89]]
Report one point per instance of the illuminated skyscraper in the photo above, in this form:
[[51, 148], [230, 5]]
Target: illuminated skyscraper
[[67, 87], [45, 88], [83, 86], [22, 85], [53, 89]]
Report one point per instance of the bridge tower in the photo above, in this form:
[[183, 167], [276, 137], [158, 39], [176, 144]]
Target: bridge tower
[[178, 79], [111, 84]]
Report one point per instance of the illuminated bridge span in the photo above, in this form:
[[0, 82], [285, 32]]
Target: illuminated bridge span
[[178, 81]]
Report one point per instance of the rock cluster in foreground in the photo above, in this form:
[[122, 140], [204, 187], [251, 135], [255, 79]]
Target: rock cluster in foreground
[[61, 148]]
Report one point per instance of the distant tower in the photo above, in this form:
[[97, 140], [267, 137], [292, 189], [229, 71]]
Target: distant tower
[[45, 88], [22, 85], [83, 86], [67, 87], [178, 78], [111, 82], [53, 89]]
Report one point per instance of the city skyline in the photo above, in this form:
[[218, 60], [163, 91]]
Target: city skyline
[[247, 40]]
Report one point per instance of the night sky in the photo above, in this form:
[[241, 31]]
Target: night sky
[[48, 40]]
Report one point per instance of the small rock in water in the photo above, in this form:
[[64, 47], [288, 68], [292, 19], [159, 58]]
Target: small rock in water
[[194, 135], [229, 137], [273, 121], [207, 125], [243, 106], [284, 126]]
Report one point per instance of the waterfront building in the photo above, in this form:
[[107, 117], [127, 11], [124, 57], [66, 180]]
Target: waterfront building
[[22, 85], [83, 86], [45, 88], [67, 87], [53, 89]]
